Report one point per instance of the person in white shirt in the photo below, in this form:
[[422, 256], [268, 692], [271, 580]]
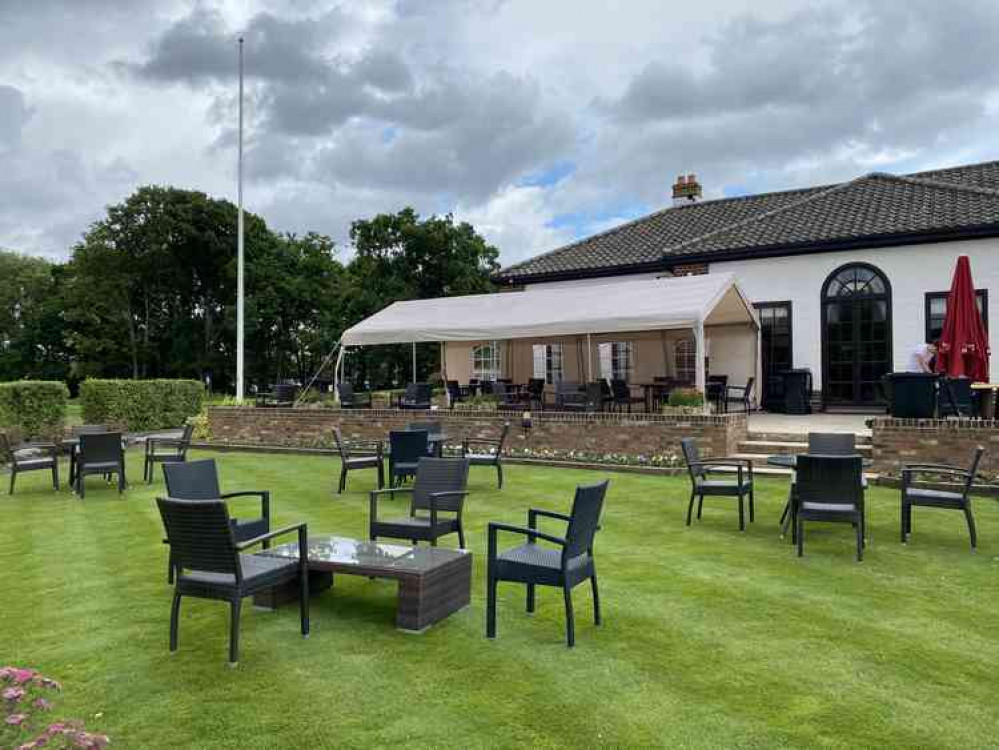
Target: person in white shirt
[[921, 357]]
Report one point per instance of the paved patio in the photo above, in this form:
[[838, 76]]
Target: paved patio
[[803, 424]]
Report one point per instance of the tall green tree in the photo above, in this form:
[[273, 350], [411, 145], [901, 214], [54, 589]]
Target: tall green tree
[[32, 341], [401, 256]]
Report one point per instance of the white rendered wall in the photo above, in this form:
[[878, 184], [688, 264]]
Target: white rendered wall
[[912, 271]]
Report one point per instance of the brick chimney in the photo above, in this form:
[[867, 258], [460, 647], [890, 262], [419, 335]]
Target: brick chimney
[[686, 190]]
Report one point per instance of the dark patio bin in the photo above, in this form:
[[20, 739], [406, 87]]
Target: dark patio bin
[[797, 391], [912, 395]]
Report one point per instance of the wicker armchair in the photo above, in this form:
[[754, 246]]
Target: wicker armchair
[[351, 399], [439, 488], [417, 397], [621, 392], [199, 480], [210, 563], [535, 565], [829, 488], [100, 453], [487, 452], [20, 463], [166, 450], [930, 498], [703, 483], [739, 394], [358, 454], [406, 448]]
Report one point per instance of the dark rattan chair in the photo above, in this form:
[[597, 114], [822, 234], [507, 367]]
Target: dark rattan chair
[[210, 563], [406, 448], [417, 396], [829, 488], [456, 393], [74, 450], [955, 398], [351, 399], [509, 398], [166, 450], [439, 487], [704, 480], [100, 453], [535, 565], [622, 395], [948, 499], [358, 454], [20, 461], [487, 452], [822, 444], [536, 392], [740, 394], [199, 480]]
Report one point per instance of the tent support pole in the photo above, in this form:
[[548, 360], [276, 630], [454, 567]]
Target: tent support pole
[[589, 359], [336, 374], [414, 361], [700, 377], [447, 393]]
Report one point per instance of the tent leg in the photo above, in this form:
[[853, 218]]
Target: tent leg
[[447, 393], [336, 374], [414, 361], [589, 359], [700, 377]]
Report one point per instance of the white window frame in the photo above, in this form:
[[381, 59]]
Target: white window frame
[[548, 362], [487, 361], [617, 360], [685, 360]]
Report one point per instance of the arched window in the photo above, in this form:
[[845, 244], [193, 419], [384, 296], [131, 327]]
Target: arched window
[[856, 334], [487, 362], [685, 360]]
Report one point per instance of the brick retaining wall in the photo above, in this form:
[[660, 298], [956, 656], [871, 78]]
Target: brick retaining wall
[[638, 434], [938, 441]]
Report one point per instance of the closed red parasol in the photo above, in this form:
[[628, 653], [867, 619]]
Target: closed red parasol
[[964, 344]]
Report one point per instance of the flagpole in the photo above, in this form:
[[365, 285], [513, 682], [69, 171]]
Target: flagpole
[[239, 240]]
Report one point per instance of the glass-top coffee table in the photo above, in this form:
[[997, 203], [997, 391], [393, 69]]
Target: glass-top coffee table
[[433, 582]]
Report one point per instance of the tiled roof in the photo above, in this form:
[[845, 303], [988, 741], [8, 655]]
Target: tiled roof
[[874, 208]]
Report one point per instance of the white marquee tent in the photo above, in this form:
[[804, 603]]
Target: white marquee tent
[[686, 302]]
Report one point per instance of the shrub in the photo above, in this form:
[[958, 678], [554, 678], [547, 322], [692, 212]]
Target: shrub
[[33, 407], [141, 404], [26, 697], [686, 397]]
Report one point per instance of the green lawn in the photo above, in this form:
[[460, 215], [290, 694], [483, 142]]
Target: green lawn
[[711, 638]]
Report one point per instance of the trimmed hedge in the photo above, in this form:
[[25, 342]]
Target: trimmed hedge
[[141, 404], [33, 408]]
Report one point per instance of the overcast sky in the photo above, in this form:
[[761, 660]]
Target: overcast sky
[[537, 120]]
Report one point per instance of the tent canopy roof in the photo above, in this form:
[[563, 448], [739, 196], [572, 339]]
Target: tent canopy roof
[[643, 305]]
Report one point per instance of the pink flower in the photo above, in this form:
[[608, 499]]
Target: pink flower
[[42, 704], [22, 676], [16, 720], [13, 694]]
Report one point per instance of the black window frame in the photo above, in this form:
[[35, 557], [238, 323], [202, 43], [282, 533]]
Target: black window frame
[[928, 298]]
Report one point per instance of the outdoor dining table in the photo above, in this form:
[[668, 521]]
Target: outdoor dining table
[[790, 461]]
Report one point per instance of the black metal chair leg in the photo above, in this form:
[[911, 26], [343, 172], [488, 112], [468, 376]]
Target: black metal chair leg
[[800, 535], [596, 599], [742, 514], [303, 603], [490, 607], [499, 475], [13, 476], [570, 624], [971, 526], [700, 506], [901, 522], [859, 527], [234, 608], [752, 507], [461, 537], [690, 507], [343, 481], [530, 597], [174, 621]]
